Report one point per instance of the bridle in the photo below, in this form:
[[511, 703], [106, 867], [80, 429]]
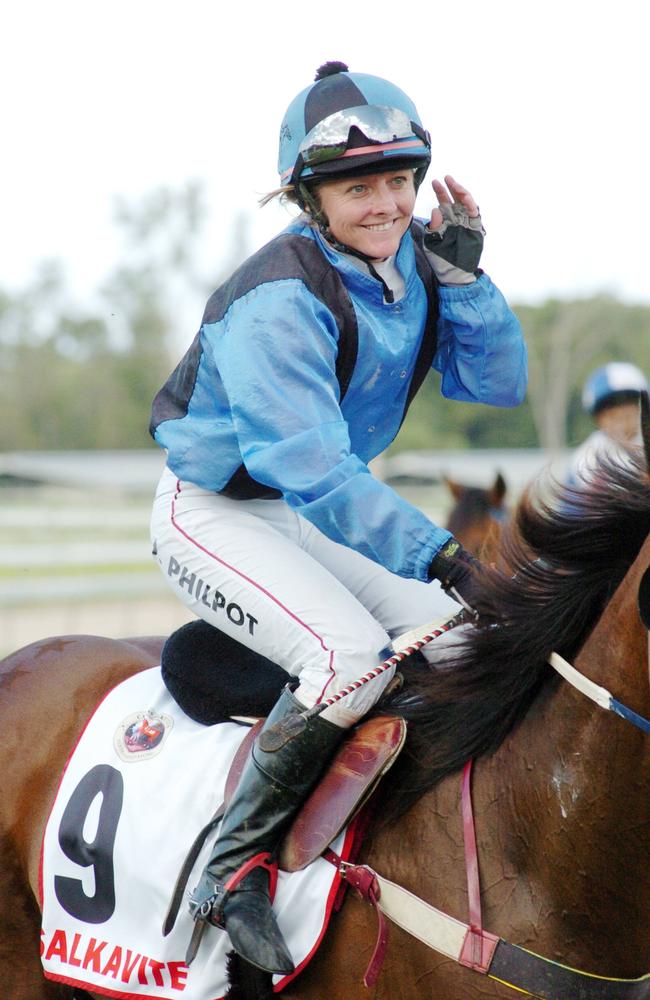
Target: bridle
[[600, 695], [468, 943]]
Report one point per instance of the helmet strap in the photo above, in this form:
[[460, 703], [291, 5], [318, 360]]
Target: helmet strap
[[309, 204]]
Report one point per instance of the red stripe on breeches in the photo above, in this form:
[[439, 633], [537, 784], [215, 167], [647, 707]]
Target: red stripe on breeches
[[268, 578]]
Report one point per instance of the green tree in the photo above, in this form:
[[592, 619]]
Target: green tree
[[84, 377], [568, 339], [434, 423], [74, 377]]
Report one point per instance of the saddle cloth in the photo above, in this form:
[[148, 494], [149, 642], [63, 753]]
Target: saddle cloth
[[142, 780]]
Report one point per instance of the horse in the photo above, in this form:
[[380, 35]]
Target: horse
[[478, 515], [561, 788]]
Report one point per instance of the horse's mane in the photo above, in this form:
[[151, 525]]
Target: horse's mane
[[560, 561]]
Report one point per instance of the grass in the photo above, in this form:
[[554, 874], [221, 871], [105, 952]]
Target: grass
[[36, 535], [72, 570]]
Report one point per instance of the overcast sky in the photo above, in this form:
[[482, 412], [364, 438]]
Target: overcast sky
[[541, 109]]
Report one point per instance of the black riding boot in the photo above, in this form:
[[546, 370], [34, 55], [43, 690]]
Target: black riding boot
[[271, 788]]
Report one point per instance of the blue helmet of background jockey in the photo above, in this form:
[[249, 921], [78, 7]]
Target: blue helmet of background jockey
[[346, 123], [612, 384]]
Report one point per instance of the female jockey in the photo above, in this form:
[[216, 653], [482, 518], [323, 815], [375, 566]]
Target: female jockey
[[267, 522]]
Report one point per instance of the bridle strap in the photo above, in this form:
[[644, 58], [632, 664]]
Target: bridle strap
[[600, 695], [581, 683]]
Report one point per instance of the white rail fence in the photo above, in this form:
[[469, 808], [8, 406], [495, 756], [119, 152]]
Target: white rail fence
[[74, 545]]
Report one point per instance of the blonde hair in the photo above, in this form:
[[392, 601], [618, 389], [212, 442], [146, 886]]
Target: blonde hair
[[286, 195]]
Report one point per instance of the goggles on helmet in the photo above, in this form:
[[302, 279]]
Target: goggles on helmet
[[380, 125]]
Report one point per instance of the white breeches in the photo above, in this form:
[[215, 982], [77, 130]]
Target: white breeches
[[264, 575]]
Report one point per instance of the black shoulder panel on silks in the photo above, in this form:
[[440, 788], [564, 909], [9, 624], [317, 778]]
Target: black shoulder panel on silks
[[429, 342], [287, 256], [293, 256]]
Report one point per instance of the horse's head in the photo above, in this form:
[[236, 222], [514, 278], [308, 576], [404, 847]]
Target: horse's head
[[478, 515]]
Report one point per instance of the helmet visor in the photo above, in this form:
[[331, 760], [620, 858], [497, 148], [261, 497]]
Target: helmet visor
[[378, 124]]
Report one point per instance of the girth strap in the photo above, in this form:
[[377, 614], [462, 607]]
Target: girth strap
[[364, 881], [506, 963], [469, 944], [540, 977], [478, 947]]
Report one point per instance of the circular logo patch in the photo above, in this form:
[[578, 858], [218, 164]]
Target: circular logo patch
[[142, 735]]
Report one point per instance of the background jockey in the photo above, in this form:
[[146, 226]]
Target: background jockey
[[267, 522], [611, 396]]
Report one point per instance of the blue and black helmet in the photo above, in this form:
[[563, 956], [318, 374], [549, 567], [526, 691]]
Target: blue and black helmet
[[347, 123], [612, 384]]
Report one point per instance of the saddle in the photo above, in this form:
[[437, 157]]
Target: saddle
[[356, 770], [215, 679]]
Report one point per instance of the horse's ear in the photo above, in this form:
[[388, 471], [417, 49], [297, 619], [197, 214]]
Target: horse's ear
[[497, 491], [454, 488]]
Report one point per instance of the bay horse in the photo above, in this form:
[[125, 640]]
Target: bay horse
[[561, 787], [478, 515]]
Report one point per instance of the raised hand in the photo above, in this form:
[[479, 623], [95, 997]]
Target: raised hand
[[454, 193]]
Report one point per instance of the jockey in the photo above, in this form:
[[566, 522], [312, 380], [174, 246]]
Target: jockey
[[267, 521], [611, 397]]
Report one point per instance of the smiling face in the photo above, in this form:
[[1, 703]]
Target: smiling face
[[370, 213]]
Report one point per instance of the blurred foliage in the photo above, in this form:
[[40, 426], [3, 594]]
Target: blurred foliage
[[434, 423], [566, 341], [73, 377]]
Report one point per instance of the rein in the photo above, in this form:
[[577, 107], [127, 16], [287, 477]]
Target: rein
[[600, 695], [470, 945], [276, 736]]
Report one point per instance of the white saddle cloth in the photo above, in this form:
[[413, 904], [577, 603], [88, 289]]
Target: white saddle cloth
[[140, 784]]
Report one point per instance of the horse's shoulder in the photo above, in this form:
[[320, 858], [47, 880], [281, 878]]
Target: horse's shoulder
[[54, 685], [143, 650], [71, 670]]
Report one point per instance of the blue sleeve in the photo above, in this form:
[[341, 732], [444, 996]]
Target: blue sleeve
[[277, 363], [481, 351]]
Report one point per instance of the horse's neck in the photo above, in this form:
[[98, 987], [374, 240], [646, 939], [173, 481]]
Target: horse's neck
[[573, 782], [562, 812], [582, 752]]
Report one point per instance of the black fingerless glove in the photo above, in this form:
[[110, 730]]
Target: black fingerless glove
[[455, 568], [455, 247]]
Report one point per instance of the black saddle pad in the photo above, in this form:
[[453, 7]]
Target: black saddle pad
[[213, 677]]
